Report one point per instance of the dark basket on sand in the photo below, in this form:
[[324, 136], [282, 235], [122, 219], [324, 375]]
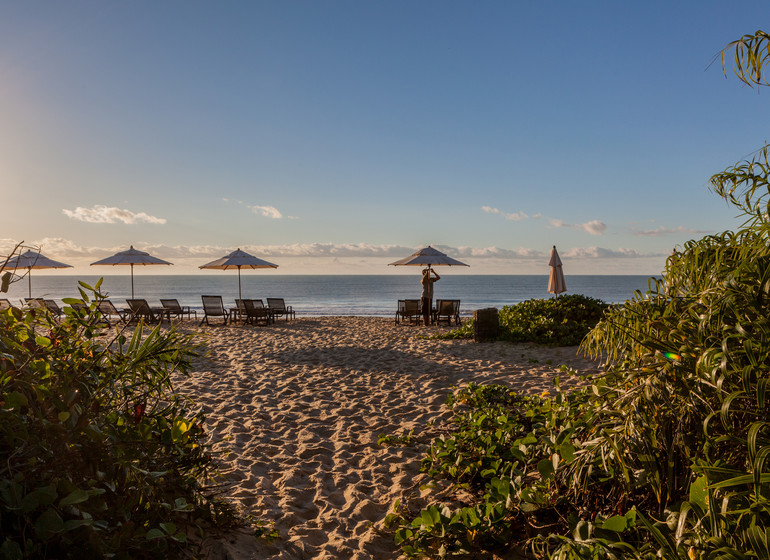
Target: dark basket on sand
[[486, 326]]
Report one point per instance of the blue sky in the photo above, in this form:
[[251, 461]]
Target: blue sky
[[335, 137]]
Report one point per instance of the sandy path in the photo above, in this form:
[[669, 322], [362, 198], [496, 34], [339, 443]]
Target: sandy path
[[300, 405]]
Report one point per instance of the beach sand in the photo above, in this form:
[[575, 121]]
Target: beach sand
[[299, 406]]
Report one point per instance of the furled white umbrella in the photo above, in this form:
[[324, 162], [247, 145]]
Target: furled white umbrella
[[238, 259], [131, 257], [556, 284], [33, 259]]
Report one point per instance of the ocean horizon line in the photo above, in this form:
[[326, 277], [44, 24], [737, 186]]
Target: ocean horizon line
[[331, 295]]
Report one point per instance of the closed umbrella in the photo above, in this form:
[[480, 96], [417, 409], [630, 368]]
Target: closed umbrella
[[238, 259], [556, 284], [131, 257], [33, 259]]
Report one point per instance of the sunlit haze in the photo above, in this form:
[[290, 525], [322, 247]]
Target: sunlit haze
[[336, 137]]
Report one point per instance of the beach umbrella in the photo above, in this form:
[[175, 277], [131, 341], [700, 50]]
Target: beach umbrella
[[33, 259], [556, 284], [131, 257], [428, 256], [238, 259]]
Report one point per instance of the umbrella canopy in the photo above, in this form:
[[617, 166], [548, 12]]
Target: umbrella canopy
[[131, 257], [33, 259], [238, 259], [428, 256], [556, 284]]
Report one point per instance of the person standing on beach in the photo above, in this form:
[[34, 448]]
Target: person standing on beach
[[427, 293]]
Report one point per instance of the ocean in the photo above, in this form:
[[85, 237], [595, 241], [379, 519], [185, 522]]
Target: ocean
[[332, 295]]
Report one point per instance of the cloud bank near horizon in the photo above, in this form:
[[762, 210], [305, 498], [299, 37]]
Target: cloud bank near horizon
[[63, 248], [662, 230]]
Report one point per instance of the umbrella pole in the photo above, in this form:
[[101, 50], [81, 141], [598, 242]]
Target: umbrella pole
[[239, 283], [29, 281], [132, 280]]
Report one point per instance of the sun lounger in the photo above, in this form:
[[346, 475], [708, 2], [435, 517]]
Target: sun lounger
[[446, 310], [5, 304], [408, 311], [140, 309], [237, 312], [278, 308], [47, 306], [176, 310], [213, 307], [53, 307], [256, 312], [108, 309], [79, 306]]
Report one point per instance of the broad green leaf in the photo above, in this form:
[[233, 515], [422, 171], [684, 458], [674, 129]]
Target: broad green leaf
[[545, 468], [698, 492], [567, 451], [617, 523], [170, 528], [75, 497], [154, 534], [14, 400], [48, 524], [11, 550], [5, 282]]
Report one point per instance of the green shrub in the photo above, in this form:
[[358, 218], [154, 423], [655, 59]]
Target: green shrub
[[100, 458], [562, 321], [666, 455]]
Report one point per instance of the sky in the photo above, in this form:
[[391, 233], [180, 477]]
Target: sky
[[334, 137]]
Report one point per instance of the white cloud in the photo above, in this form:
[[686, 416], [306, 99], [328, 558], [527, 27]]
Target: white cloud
[[266, 211], [662, 230], [594, 227], [100, 214], [515, 216]]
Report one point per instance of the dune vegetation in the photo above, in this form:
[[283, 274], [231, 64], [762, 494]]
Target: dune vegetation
[[100, 458], [562, 321], [665, 455]]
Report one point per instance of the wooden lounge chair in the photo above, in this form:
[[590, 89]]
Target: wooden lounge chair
[[141, 310], [108, 309], [40, 305], [79, 306], [176, 310], [5, 304], [446, 310], [408, 311], [278, 308], [53, 307], [213, 307], [237, 312], [256, 312]]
